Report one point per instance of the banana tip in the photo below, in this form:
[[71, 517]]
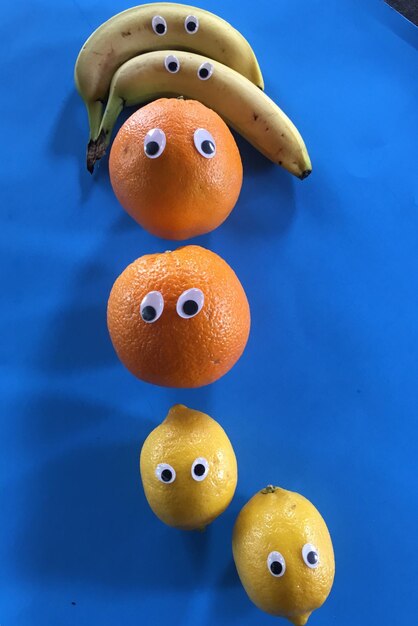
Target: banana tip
[[305, 174], [91, 156]]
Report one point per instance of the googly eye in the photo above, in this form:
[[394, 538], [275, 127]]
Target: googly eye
[[154, 143], [200, 469], [152, 306], [159, 25], [205, 71], [172, 64], [205, 143], [165, 473], [191, 24], [276, 564], [190, 303], [310, 555]]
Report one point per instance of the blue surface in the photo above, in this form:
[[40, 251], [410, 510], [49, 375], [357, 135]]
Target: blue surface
[[324, 400]]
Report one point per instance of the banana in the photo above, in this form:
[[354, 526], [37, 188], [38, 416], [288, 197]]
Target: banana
[[158, 26], [236, 99]]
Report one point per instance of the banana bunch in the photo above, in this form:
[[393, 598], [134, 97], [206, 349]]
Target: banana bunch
[[161, 49]]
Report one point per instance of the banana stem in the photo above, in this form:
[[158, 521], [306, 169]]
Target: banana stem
[[99, 142], [113, 109], [95, 113]]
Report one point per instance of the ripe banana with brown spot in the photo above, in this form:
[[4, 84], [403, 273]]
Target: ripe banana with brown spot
[[158, 26], [236, 99]]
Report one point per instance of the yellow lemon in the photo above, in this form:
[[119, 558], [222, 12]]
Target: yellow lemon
[[283, 553], [188, 469]]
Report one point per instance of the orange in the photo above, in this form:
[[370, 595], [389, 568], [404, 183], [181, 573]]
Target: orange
[[191, 179], [179, 319]]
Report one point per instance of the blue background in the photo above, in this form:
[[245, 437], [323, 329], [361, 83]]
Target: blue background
[[324, 400]]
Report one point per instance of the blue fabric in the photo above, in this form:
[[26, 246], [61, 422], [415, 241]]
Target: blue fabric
[[324, 400]]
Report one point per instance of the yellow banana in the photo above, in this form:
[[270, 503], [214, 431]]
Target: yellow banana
[[236, 99], [159, 26]]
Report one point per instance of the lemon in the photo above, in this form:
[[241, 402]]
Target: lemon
[[283, 553], [188, 469]]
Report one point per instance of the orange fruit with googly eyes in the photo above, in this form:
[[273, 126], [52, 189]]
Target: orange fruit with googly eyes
[[175, 168], [179, 319]]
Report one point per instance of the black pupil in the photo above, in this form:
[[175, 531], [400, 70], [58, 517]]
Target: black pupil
[[166, 475], [208, 146], [172, 66], [148, 313], [203, 72], [312, 558], [190, 307], [276, 568], [199, 469], [152, 148], [191, 26], [160, 28]]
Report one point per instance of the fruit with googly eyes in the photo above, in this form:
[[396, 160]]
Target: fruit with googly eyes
[[283, 554], [237, 100], [179, 319], [188, 469], [175, 166], [151, 27]]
